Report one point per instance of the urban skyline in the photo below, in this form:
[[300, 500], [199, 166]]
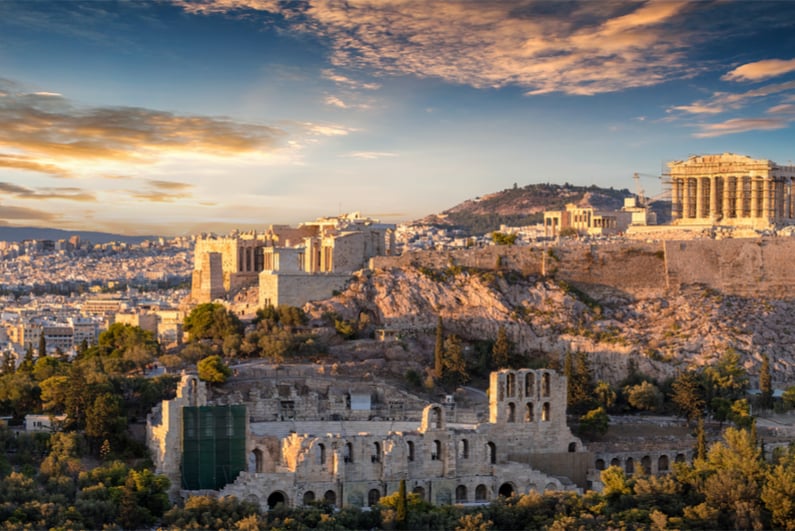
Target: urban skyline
[[177, 117]]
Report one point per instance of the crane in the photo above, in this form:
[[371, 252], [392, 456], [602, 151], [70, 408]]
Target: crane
[[641, 193]]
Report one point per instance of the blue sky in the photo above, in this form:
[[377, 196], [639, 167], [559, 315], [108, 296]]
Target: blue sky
[[179, 116]]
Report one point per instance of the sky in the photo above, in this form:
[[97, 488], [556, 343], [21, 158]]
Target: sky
[[175, 117]]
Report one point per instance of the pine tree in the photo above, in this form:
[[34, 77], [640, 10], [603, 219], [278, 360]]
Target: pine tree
[[42, 346], [438, 352]]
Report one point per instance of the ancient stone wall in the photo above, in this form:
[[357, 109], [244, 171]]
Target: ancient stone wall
[[297, 289]]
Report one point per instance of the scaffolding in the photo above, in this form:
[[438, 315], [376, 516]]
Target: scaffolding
[[214, 446]]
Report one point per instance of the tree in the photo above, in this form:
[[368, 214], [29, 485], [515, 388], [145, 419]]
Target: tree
[[455, 370], [765, 384], [402, 506], [42, 345], [501, 238], [595, 423], [502, 350], [701, 440], [212, 369], [212, 321], [580, 382], [438, 351], [644, 396], [687, 395], [727, 377], [605, 394], [105, 418], [778, 493]]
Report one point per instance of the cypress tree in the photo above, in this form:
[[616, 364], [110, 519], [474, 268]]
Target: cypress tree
[[438, 352], [402, 506], [701, 441], [42, 346], [765, 384], [501, 352]]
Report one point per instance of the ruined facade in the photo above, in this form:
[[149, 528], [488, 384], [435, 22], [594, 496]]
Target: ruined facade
[[585, 220], [734, 190], [291, 265], [353, 457]]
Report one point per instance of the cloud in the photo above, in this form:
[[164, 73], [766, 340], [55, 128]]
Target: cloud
[[740, 125], [26, 214], [326, 129], [348, 82], [162, 191], [761, 70], [334, 101], [169, 185], [370, 155], [69, 193], [47, 133], [570, 47], [723, 101]]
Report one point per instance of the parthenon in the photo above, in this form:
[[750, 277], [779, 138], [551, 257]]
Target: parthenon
[[730, 189]]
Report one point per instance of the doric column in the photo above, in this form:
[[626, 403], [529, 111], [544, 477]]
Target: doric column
[[686, 198], [713, 197], [754, 198], [766, 213], [676, 200], [740, 197], [699, 197], [726, 197]]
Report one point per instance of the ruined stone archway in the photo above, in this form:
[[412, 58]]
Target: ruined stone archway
[[506, 490], [276, 498]]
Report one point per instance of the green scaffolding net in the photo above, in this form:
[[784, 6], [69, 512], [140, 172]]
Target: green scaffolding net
[[214, 446]]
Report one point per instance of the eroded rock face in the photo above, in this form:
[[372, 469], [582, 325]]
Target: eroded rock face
[[663, 330]]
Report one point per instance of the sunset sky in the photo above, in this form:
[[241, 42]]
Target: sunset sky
[[177, 116]]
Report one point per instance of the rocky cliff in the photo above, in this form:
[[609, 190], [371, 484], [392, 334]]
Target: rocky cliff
[[613, 303]]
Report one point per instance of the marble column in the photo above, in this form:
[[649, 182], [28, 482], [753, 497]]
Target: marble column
[[676, 200], [713, 197], [726, 197], [740, 197], [700, 197], [686, 198], [766, 213]]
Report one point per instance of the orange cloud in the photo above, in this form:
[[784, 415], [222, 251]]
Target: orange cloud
[[44, 132], [761, 70]]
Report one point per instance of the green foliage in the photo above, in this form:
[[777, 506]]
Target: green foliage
[[644, 396], [212, 321], [765, 384], [501, 238], [687, 395], [594, 423], [503, 352], [212, 369], [454, 364], [580, 382]]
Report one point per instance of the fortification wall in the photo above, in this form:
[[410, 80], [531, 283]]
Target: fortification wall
[[744, 267]]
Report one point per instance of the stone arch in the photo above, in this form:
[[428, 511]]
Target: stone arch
[[600, 464], [615, 462], [629, 466], [491, 453], [461, 494], [276, 498], [528, 412], [545, 384], [529, 384], [463, 449], [511, 412], [506, 490], [309, 497], [432, 418], [662, 463], [680, 458], [645, 464], [410, 448], [321, 454], [372, 497], [259, 460], [572, 446], [376, 457], [545, 412], [481, 493], [348, 457], [550, 486], [330, 497], [510, 384], [419, 490]]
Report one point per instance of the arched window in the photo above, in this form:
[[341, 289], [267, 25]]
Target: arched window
[[545, 384], [545, 412], [419, 490], [461, 494], [600, 464], [258, 461], [615, 462], [436, 451], [529, 384], [629, 466], [330, 497], [491, 453], [506, 490], [276, 498], [528, 412], [572, 447], [511, 412], [510, 382], [372, 497], [680, 458], [410, 446], [348, 457], [321, 450], [662, 464], [645, 464], [309, 497], [436, 418], [481, 493], [376, 457], [463, 449]]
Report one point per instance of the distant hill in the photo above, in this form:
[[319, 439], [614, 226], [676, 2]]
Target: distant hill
[[18, 234], [526, 205]]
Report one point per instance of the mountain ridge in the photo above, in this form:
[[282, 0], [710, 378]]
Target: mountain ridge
[[18, 234]]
